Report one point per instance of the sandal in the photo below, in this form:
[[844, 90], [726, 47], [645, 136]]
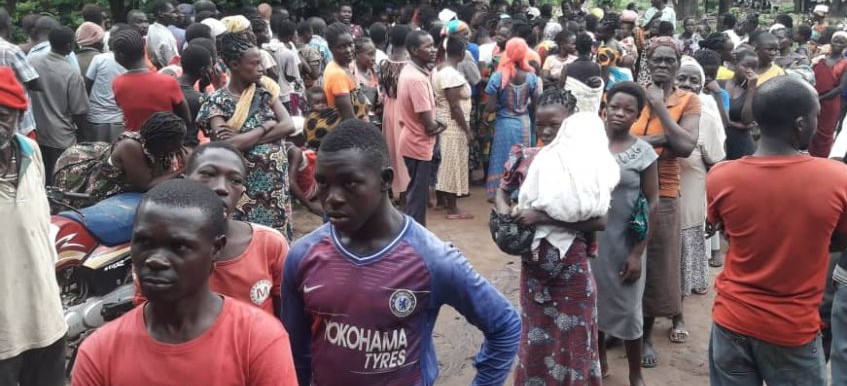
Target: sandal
[[460, 216], [677, 335], [699, 291]]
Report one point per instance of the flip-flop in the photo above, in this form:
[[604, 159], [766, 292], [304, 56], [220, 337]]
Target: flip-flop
[[677, 335], [460, 216]]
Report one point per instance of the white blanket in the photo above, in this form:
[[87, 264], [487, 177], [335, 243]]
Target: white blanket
[[571, 179], [587, 98]]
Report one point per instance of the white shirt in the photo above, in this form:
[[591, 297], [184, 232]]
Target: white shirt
[[31, 313], [733, 37]]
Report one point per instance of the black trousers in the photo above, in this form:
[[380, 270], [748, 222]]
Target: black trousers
[[37, 367], [420, 174], [50, 155]]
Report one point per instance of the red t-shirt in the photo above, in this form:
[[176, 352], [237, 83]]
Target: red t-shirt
[[244, 346], [779, 214], [140, 94], [254, 277], [414, 96]]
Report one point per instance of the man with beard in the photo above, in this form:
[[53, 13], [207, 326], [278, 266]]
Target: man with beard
[[766, 322], [416, 114], [32, 352]]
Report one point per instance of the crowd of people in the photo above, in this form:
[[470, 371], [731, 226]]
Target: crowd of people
[[618, 149]]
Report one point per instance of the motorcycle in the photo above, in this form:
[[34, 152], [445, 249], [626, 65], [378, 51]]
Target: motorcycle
[[93, 269]]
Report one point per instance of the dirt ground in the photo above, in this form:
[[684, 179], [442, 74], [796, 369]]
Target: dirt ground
[[457, 341]]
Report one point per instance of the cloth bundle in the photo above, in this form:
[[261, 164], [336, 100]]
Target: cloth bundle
[[571, 179], [587, 98]]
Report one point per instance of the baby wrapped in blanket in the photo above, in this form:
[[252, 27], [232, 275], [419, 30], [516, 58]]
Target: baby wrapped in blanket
[[571, 179]]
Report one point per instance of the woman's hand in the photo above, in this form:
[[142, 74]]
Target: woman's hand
[[631, 269], [528, 217], [752, 76], [224, 132], [713, 87], [656, 96]]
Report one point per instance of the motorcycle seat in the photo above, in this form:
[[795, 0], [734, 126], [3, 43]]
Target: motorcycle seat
[[110, 220]]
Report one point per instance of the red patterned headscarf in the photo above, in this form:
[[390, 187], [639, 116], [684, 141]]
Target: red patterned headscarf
[[514, 57], [664, 41]]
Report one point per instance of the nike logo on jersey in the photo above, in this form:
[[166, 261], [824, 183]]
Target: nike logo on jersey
[[307, 289]]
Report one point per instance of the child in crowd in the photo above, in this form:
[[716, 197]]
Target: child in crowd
[[318, 118], [301, 171]]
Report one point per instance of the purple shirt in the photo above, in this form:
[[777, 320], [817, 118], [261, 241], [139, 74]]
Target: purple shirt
[[367, 320]]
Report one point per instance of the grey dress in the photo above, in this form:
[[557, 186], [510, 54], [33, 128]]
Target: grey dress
[[619, 304]]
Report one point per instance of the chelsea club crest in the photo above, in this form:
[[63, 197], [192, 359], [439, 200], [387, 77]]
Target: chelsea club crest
[[402, 303]]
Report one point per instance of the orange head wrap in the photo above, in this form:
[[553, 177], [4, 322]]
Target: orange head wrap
[[514, 57]]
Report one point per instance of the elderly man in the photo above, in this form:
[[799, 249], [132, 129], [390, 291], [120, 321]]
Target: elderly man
[[32, 340]]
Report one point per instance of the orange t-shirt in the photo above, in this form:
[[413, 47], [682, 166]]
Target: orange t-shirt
[[336, 83], [255, 277], [244, 346], [779, 214], [680, 103]]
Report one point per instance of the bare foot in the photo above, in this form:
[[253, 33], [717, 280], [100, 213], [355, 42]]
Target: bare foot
[[460, 216], [648, 357]]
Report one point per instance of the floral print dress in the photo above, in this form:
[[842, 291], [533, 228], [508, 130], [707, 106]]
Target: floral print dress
[[558, 298], [266, 199]]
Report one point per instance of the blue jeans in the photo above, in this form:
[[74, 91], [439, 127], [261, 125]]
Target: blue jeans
[[738, 360], [838, 324]]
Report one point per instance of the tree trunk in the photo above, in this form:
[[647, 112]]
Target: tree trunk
[[10, 7], [685, 8], [118, 8], [723, 6], [837, 8]]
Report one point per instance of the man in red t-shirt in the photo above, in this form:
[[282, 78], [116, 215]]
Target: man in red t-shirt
[[184, 333], [140, 93], [780, 209]]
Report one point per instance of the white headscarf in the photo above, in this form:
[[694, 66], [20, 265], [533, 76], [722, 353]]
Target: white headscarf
[[551, 29], [571, 179], [710, 117], [688, 61], [776, 27]]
